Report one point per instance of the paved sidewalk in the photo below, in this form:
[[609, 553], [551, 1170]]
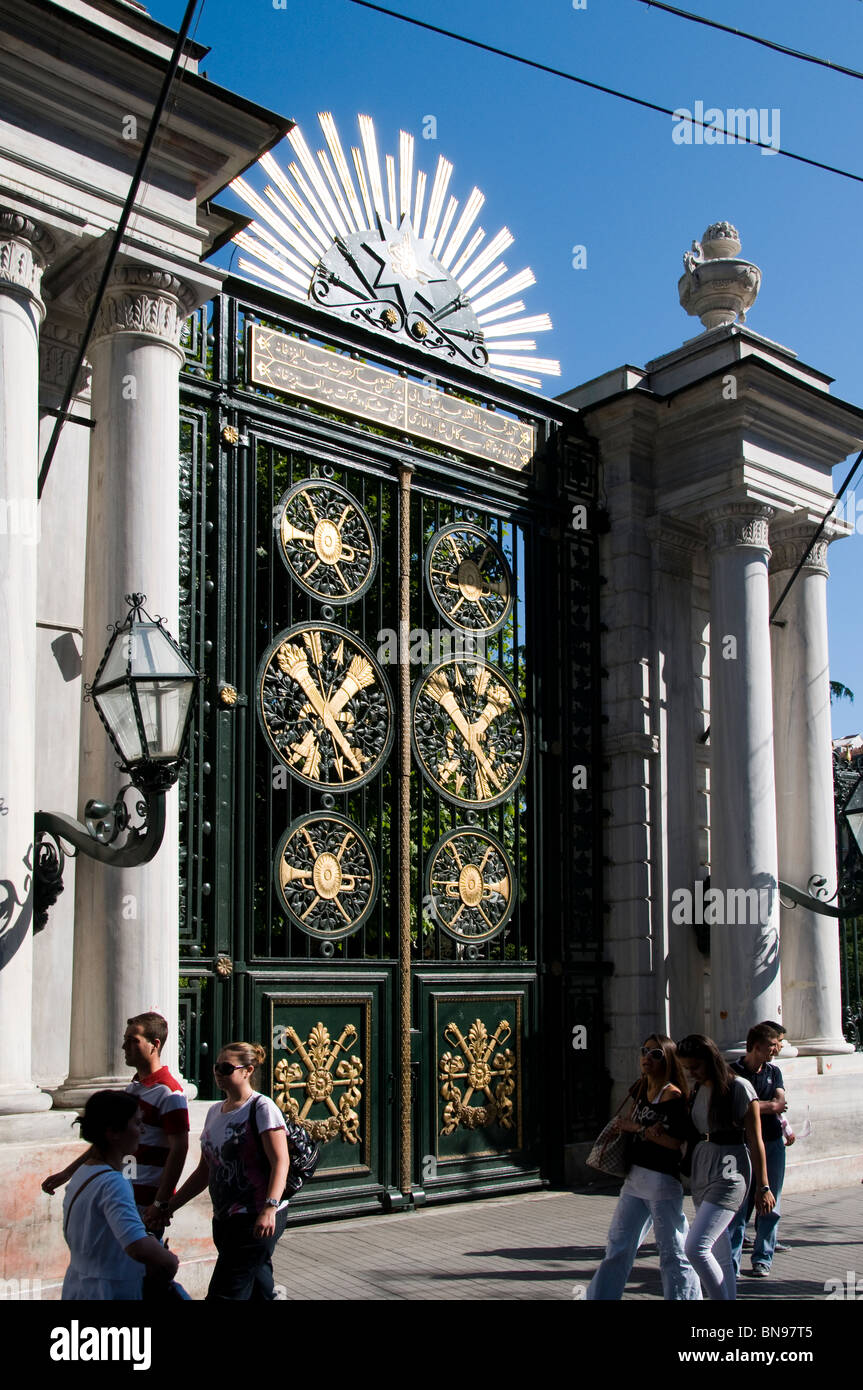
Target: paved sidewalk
[[540, 1246]]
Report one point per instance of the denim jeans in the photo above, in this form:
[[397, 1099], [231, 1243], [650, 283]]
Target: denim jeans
[[765, 1226], [244, 1269], [630, 1224], [709, 1250]]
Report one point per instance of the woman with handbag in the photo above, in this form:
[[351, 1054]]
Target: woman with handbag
[[244, 1161], [110, 1249], [652, 1193], [726, 1117]]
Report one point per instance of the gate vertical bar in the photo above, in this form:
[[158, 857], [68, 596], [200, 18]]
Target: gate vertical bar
[[404, 813]]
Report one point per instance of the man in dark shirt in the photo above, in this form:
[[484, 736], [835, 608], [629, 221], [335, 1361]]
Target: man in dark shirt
[[766, 1078]]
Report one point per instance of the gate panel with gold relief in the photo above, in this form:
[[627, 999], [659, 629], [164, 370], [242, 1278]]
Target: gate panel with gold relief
[[378, 814]]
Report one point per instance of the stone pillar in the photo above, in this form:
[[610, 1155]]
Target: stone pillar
[[674, 811], [745, 982], [23, 247], [59, 631], [811, 987], [126, 920]]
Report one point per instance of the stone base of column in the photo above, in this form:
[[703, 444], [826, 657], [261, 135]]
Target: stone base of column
[[23, 1100], [818, 1047], [77, 1090]]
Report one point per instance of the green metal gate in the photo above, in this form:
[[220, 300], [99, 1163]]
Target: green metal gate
[[391, 866]]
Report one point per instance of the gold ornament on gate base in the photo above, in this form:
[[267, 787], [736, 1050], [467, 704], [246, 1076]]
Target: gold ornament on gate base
[[317, 1075], [472, 1064]]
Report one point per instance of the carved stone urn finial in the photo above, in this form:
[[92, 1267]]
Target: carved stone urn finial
[[716, 285]]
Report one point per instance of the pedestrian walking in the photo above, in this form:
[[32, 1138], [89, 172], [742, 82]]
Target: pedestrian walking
[[652, 1192], [724, 1112], [763, 1043], [244, 1162], [164, 1115], [109, 1246]]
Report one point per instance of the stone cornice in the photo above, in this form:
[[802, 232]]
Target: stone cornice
[[24, 248], [739, 524]]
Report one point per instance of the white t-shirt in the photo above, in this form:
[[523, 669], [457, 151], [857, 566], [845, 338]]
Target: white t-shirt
[[239, 1169], [102, 1222]]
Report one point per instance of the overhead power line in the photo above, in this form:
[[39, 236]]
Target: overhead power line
[[599, 87], [752, 38]]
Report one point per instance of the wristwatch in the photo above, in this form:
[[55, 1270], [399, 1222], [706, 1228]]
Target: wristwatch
[[271, 1202], [161, 1206], [766, 1187]]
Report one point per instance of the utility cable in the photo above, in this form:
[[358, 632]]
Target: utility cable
[[599, 87], [752, 38], [116, 241]]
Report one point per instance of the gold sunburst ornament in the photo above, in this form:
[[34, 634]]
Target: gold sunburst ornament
[[358, 238]]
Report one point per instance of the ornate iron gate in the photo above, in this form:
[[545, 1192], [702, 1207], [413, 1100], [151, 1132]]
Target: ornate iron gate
[[390, 859]]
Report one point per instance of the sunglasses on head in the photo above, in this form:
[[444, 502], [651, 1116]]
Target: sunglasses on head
[[655, 1053], [225, 1068]]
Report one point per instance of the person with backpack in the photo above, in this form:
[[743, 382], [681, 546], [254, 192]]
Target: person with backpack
[[724, 1149], [245, 1163], [109, 1247]]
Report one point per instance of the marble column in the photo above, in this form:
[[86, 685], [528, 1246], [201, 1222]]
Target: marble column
[[676, 846], [23, 247], [811, 987], [745, 980], [126, 920]]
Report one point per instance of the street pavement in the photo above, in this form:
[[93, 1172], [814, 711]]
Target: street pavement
[[544, 1245]]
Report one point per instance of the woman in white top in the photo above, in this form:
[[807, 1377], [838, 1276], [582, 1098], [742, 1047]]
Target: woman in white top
[[726, 1115], [106, 1237], [244, 1161]]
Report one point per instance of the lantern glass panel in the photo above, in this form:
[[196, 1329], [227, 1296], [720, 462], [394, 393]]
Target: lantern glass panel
[[117, 664], [164, 706], [855, 825], [854, 814], [119, 714], [154, 654]]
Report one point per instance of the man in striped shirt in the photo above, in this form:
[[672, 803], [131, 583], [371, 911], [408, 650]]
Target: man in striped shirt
[[161, 1154]]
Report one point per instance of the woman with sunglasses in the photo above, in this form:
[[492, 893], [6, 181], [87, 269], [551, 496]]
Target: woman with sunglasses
[[726, 1116], [244, 1161], [652, 1192]]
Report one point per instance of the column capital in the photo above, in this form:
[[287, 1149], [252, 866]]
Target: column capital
[[25, 247], [140, 300], [675, 544], [739, 524], [790, 543], [58, 349]]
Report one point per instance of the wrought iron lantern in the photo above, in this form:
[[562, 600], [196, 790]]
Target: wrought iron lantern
[[143, 693]]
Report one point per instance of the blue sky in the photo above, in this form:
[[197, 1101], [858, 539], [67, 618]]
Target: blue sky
[[563, 166]]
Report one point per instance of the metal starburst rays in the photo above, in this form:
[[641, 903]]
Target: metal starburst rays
[[324, 197]]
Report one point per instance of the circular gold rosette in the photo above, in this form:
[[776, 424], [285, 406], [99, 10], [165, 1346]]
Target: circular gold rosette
[[468, 578], [325, 706], [469, 732], [325, 875], [326, 541], [470, 881]]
